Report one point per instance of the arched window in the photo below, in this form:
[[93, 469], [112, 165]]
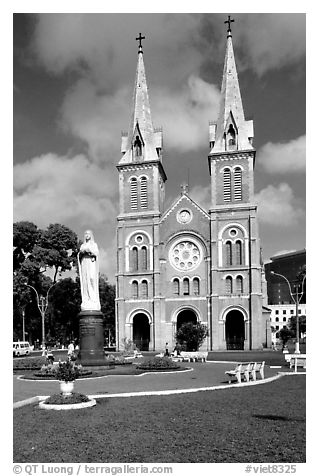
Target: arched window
[[144, 289], [186, 286], [134, 289], [196, 286], [229, 285], [239, 252], [176, 286], [144, 197], [134, 254], [239, 285], [229, 257], [237, 184], [134, 193], [143, 258], [227, 194]]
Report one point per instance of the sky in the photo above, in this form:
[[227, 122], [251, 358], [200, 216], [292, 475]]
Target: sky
[[73, 81]]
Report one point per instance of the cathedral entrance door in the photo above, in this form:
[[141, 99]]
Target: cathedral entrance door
[[141, 331], [235, 330], [187, 315]]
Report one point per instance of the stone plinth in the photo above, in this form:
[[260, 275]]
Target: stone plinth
[[91, 338]]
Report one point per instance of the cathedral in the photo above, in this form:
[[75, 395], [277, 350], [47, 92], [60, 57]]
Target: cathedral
[[184, 263]]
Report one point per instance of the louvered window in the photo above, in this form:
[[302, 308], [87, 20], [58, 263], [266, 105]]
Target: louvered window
[[133, 193], [144, 197], [144, 289], [144, 258], [176, 286], [134, 290], [229, 285], [134, 254], [227, 185], [229, 257], [238, 184], [239, 285], [239, 252], [196, 286]]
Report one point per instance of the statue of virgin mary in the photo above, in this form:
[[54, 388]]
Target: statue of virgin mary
[[88, 259]]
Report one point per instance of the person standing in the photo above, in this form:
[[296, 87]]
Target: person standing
[[70, 349], [166, 350]]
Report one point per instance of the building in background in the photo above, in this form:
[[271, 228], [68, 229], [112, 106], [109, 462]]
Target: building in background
[[187, 264], [280, 300]]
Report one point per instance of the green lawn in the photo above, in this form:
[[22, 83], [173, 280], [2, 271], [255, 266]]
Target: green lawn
[[265, 423]]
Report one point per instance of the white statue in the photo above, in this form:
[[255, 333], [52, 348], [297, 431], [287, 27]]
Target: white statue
[[88, 259]]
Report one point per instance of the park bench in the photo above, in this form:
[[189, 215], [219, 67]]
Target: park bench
[[298, 360], [243, 369], [258, 367], [192, 356], [247, 370]]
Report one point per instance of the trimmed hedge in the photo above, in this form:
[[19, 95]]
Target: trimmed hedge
[[29, 363], [158, 363]]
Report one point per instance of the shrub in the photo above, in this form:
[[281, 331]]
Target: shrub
[[29, 363], [59, 399], [158, 363], [193, 335]]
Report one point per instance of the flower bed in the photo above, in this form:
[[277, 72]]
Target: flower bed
[[64, 371], [59, 399]]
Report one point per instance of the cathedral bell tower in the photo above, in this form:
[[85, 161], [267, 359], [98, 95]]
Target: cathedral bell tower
[[141, 200], [236, 292]]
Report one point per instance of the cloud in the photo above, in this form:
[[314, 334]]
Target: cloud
[[71, 191], [97, 118], [185, 114], [283, 158], [277, 206], [103, 46], [272, 40]]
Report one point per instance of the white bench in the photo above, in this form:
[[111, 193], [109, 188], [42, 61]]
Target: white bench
[[247, 370], [298, 360], [258, 367], [193, 356]]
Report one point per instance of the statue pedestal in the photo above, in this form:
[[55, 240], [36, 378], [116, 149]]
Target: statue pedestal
[[91, 338]]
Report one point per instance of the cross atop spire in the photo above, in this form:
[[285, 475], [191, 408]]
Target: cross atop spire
[[140, 38], [229, 21]]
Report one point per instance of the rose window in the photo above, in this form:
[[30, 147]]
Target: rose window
[[185, 255]]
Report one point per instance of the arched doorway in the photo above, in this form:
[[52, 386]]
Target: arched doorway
[[187, 315], [141, 331], [235, 330]]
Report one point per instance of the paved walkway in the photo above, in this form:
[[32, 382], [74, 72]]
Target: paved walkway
[[200, 376]]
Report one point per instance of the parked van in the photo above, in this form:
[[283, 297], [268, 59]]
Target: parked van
[[21, 348]]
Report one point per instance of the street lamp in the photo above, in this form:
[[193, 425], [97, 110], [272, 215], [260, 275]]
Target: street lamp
[[296, 301], [42, 303]]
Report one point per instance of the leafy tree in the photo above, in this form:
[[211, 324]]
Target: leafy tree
[[191, 334], [57, 248], [107, 300], [64, 306], [25, 236], [285, 334], [293, 325]]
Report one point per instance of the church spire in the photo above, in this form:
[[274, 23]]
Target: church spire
[[232, 131], [141, 143]]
